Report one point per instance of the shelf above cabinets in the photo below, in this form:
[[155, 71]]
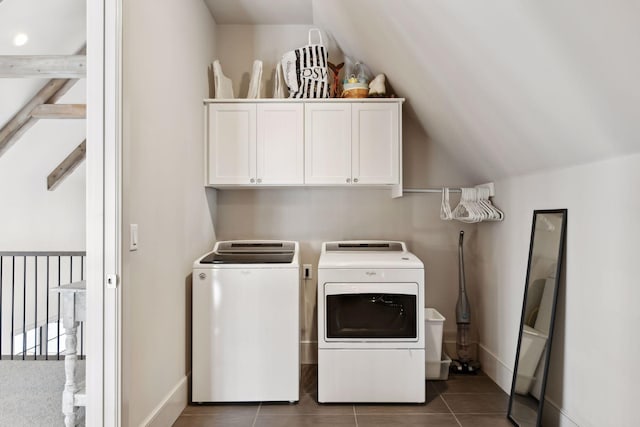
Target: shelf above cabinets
[[328, 143]]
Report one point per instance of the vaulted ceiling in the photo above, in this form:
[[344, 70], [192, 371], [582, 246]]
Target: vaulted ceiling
[[53, 27], [506, 87], [272, 12]]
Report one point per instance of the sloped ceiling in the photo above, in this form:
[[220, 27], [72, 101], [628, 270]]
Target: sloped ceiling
[[507, 87], [272, 12], [54, 27]]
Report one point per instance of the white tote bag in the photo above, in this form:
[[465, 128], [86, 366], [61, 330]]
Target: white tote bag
[[305, 70]]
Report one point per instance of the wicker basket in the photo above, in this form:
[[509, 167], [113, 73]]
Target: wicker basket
[[355, 90]]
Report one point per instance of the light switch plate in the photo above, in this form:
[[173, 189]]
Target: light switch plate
[[133, 237]]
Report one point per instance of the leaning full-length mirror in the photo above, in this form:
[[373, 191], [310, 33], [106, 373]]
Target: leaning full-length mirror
[[538, 313]]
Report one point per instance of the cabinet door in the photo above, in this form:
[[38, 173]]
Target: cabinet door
[[327, 143], [231, 143], [375, 143], [280, 147]]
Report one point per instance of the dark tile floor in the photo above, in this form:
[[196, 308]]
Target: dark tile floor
[[461, 401]]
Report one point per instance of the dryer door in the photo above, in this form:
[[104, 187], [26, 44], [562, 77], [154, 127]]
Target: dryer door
[[372, 312]]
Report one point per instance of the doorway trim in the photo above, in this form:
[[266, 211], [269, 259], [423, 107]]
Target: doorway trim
[[104, 171]]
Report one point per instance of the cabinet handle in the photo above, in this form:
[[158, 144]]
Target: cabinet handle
[[348, 180], [252, 180], [355, 179], [259, 180]]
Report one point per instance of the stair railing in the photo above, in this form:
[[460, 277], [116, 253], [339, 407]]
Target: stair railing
[[30, 321]]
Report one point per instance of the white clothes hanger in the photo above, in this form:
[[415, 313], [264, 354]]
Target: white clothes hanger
[[487, 213], [445, 207], [496, 214], [474, 206], [465, 211], [481, 214]]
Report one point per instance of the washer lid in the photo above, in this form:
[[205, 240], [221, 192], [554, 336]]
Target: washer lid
[[251, 252]]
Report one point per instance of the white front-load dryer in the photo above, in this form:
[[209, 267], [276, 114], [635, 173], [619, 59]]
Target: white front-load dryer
[[245, 323], [371, 345]]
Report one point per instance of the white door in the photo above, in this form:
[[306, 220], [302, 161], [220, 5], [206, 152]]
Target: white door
[[280, 144], [327, 143], [231, 143], [375, 143], [104, 198]]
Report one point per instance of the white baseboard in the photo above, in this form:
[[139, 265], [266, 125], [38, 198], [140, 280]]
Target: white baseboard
[[170, 408], [553, 415], [495, 368], [502, 375]]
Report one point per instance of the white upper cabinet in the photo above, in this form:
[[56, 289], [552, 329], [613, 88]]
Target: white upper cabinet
[[375, 143], [231, 143], [280, 147], [331, 142], [327, 143], [354, 143], [252, 144]]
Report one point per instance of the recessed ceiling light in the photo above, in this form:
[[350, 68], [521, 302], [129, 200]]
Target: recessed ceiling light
[[20, 39]]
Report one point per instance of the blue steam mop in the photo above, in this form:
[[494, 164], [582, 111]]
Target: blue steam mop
[[463, 364]]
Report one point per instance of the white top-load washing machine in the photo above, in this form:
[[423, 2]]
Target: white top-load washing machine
[[245, 322], [371, 345]]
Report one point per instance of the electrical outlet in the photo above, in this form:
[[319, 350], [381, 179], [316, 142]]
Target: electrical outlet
[[307, 272]]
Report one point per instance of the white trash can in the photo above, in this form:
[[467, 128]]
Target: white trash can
[[434, 323]]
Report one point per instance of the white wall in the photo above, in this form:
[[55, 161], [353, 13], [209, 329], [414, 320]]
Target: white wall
[[31, 217], [168, 46], [595, 346], [312, 216]]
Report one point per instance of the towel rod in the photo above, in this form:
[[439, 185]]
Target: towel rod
[[430, 190]]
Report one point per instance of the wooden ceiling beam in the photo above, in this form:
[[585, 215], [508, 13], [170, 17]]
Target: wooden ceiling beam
[[68, 165], [60, 111], [62, 91], [23, 120], [43, 66], [50, 93]]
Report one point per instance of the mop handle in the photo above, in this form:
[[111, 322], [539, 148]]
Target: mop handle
[[461, 281]]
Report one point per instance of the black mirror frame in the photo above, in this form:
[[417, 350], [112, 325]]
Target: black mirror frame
[[547, 351]]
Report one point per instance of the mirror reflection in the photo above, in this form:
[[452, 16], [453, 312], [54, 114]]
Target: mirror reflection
[[538, 312]]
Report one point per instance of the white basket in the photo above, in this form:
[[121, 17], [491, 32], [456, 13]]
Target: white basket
[[434, 322], [439, 370]]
